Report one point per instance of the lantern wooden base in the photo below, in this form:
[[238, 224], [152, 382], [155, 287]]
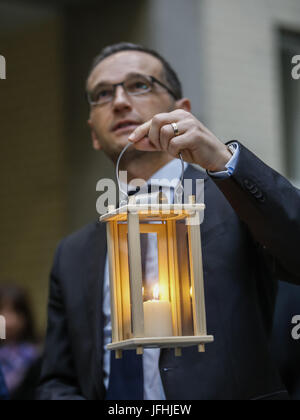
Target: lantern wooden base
[[161, 342]]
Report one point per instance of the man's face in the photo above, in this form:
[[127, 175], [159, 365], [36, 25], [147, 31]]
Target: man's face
[[113, 122]]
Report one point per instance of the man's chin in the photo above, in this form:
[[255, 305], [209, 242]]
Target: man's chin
[[131, 154], [122, 141]]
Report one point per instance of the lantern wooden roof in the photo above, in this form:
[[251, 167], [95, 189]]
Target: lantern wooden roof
[[153, 212]]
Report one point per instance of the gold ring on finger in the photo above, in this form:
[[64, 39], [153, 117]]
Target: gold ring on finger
[[175, 128]]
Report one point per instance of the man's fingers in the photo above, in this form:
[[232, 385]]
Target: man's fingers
[[145, 145], [140, 132], [158, 122], [167, 132], [152, 128], [179, 144], [158, 132]]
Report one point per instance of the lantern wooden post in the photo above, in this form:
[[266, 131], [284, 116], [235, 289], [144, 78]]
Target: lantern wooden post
[[136, 275], [112, 275], [197, 277], [115, 298]]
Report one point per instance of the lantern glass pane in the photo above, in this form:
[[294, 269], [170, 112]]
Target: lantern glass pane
[[149, 252], [185, 283], [123, 281], [158, 320]]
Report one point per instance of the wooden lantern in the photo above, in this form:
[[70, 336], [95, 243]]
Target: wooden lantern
[[175, 317]]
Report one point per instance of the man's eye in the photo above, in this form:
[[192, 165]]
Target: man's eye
[[137, 86], [141, 85], [103, 93]]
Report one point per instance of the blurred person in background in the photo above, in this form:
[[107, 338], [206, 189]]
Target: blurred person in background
[[19, 353], [3, 389]]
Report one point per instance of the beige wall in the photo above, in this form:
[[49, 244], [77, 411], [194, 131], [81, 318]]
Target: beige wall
[[87, 31], [241, 71], [32, 158]]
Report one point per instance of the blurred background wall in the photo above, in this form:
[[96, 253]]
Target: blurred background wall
[[234, 58]]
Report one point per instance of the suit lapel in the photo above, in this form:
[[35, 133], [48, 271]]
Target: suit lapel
[[196, 174], [217, 209], [96, 257]]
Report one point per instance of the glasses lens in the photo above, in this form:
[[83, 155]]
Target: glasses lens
[[138, 85], [102, 94]]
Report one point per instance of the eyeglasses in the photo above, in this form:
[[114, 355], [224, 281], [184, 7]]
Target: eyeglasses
[[134, 85]]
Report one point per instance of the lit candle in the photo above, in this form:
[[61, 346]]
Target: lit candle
[[158, 317]]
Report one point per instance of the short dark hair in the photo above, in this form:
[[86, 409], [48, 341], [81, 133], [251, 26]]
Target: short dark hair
[[170, 74]]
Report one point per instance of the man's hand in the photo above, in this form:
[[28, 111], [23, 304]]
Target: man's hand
[[195, 142]]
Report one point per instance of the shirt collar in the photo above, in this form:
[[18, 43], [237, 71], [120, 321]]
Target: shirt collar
[[168, 175]]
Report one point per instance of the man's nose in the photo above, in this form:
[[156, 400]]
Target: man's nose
[[121, 100]]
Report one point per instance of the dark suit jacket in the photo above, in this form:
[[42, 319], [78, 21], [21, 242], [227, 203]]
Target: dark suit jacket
[[250, 237], [286, 349]]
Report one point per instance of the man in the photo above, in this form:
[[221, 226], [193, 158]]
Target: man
[[250, 235]]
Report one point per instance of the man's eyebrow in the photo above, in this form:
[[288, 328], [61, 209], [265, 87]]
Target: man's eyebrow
[[107, 82]]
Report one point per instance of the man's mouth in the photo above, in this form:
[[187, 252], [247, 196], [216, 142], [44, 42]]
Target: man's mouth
[[125, 126]]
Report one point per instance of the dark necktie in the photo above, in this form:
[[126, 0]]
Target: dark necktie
[[126, 381]]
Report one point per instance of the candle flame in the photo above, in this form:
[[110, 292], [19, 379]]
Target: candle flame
[[156, 292], [191, 292]]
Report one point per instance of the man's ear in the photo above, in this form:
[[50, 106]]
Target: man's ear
[[184, 103], [95, 141]]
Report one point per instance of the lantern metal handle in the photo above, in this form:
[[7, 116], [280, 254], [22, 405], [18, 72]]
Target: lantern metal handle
[[180, 183]]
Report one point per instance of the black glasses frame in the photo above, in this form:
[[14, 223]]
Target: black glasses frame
[[115, 85]]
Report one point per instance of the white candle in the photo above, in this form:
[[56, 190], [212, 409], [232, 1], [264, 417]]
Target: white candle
[[158, 319]]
